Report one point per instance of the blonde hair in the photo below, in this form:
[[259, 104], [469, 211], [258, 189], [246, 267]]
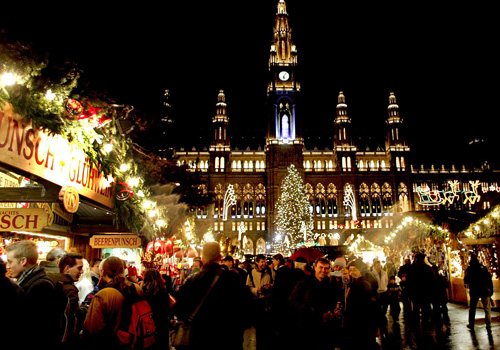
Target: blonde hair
[[86, 271]]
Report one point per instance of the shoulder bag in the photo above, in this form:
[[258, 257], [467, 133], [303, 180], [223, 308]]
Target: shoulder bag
[[180, 333]]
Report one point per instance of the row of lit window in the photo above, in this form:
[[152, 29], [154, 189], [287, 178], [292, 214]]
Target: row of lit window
[[316, 164], [249, 226]]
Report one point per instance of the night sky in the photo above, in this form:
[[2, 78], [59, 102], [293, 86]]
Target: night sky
[[442, 63]]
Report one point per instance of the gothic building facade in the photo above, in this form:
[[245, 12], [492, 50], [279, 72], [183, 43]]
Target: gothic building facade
[[384, 182]]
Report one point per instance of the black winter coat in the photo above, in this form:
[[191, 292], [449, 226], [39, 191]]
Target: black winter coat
[[221, 321], [43, 321], [479, 280]]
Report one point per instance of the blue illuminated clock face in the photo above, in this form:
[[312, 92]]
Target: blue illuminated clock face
[[284, 76]]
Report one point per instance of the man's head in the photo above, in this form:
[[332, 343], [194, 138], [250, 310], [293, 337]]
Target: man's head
[[322, 268], [71, 264], [211, 252], [356, 267], [94, 266], [338, 265], [228, 261], [300, 263], [377, 265], [55, 254], [197, 263], [260, 262], [20, 256]]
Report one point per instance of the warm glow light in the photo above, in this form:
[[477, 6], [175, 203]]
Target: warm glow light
[[108, 147], [8, 79], [123, 167], [133, 181], [160, 223], [49, 95]]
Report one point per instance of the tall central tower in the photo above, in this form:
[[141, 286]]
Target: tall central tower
[[284, 143]]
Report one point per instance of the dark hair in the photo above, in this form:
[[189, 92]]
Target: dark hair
[[260, 257], [95, 261], [69, 260], [153, 282], [280, 258], [228, 258], [322, 260]]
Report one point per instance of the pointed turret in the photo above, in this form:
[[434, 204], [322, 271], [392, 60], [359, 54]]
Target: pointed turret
[[220, 142], [343, 142], [395, 141], [283, 51]]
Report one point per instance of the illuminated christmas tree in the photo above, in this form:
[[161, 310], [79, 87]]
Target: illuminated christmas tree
[[293, 217]]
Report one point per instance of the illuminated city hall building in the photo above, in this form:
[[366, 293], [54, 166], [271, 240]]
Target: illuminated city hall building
[[385, 183]]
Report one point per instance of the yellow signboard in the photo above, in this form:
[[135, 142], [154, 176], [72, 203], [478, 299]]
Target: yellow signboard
[[51, 157], [115, 241], [31, 219]]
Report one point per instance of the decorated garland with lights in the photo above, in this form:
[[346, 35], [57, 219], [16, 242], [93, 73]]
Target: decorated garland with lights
[[44, 95]]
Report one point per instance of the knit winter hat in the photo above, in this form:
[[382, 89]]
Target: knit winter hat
[[358, 263], [339, 261]]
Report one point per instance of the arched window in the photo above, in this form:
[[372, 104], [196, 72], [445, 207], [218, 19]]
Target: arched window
[[331, 193], [261, 246], [364, 199], [403, 200], [386, 199], [219, 200], [248, 204], [376, 201], [260, 200]]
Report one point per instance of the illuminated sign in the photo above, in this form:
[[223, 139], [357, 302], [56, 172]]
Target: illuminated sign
[[431, 197], [115, 241], [51, 157], [32, 219]]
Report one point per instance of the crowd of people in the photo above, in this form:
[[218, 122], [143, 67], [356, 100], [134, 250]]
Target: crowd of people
[[341, 303]]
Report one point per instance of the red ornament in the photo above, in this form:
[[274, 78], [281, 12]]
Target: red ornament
[[123, 191]]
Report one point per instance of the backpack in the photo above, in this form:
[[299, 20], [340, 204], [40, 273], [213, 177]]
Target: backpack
[[137, 328], [62, 310]]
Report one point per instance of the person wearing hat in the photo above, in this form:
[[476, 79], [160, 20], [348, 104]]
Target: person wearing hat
[[360, 312]]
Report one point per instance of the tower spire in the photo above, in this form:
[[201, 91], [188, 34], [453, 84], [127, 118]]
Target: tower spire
[[220, 122], [283, 51], [395, 142]]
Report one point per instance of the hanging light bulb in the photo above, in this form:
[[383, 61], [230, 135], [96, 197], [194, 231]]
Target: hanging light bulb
[[108, 147], [49, 95], [8, 79]]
